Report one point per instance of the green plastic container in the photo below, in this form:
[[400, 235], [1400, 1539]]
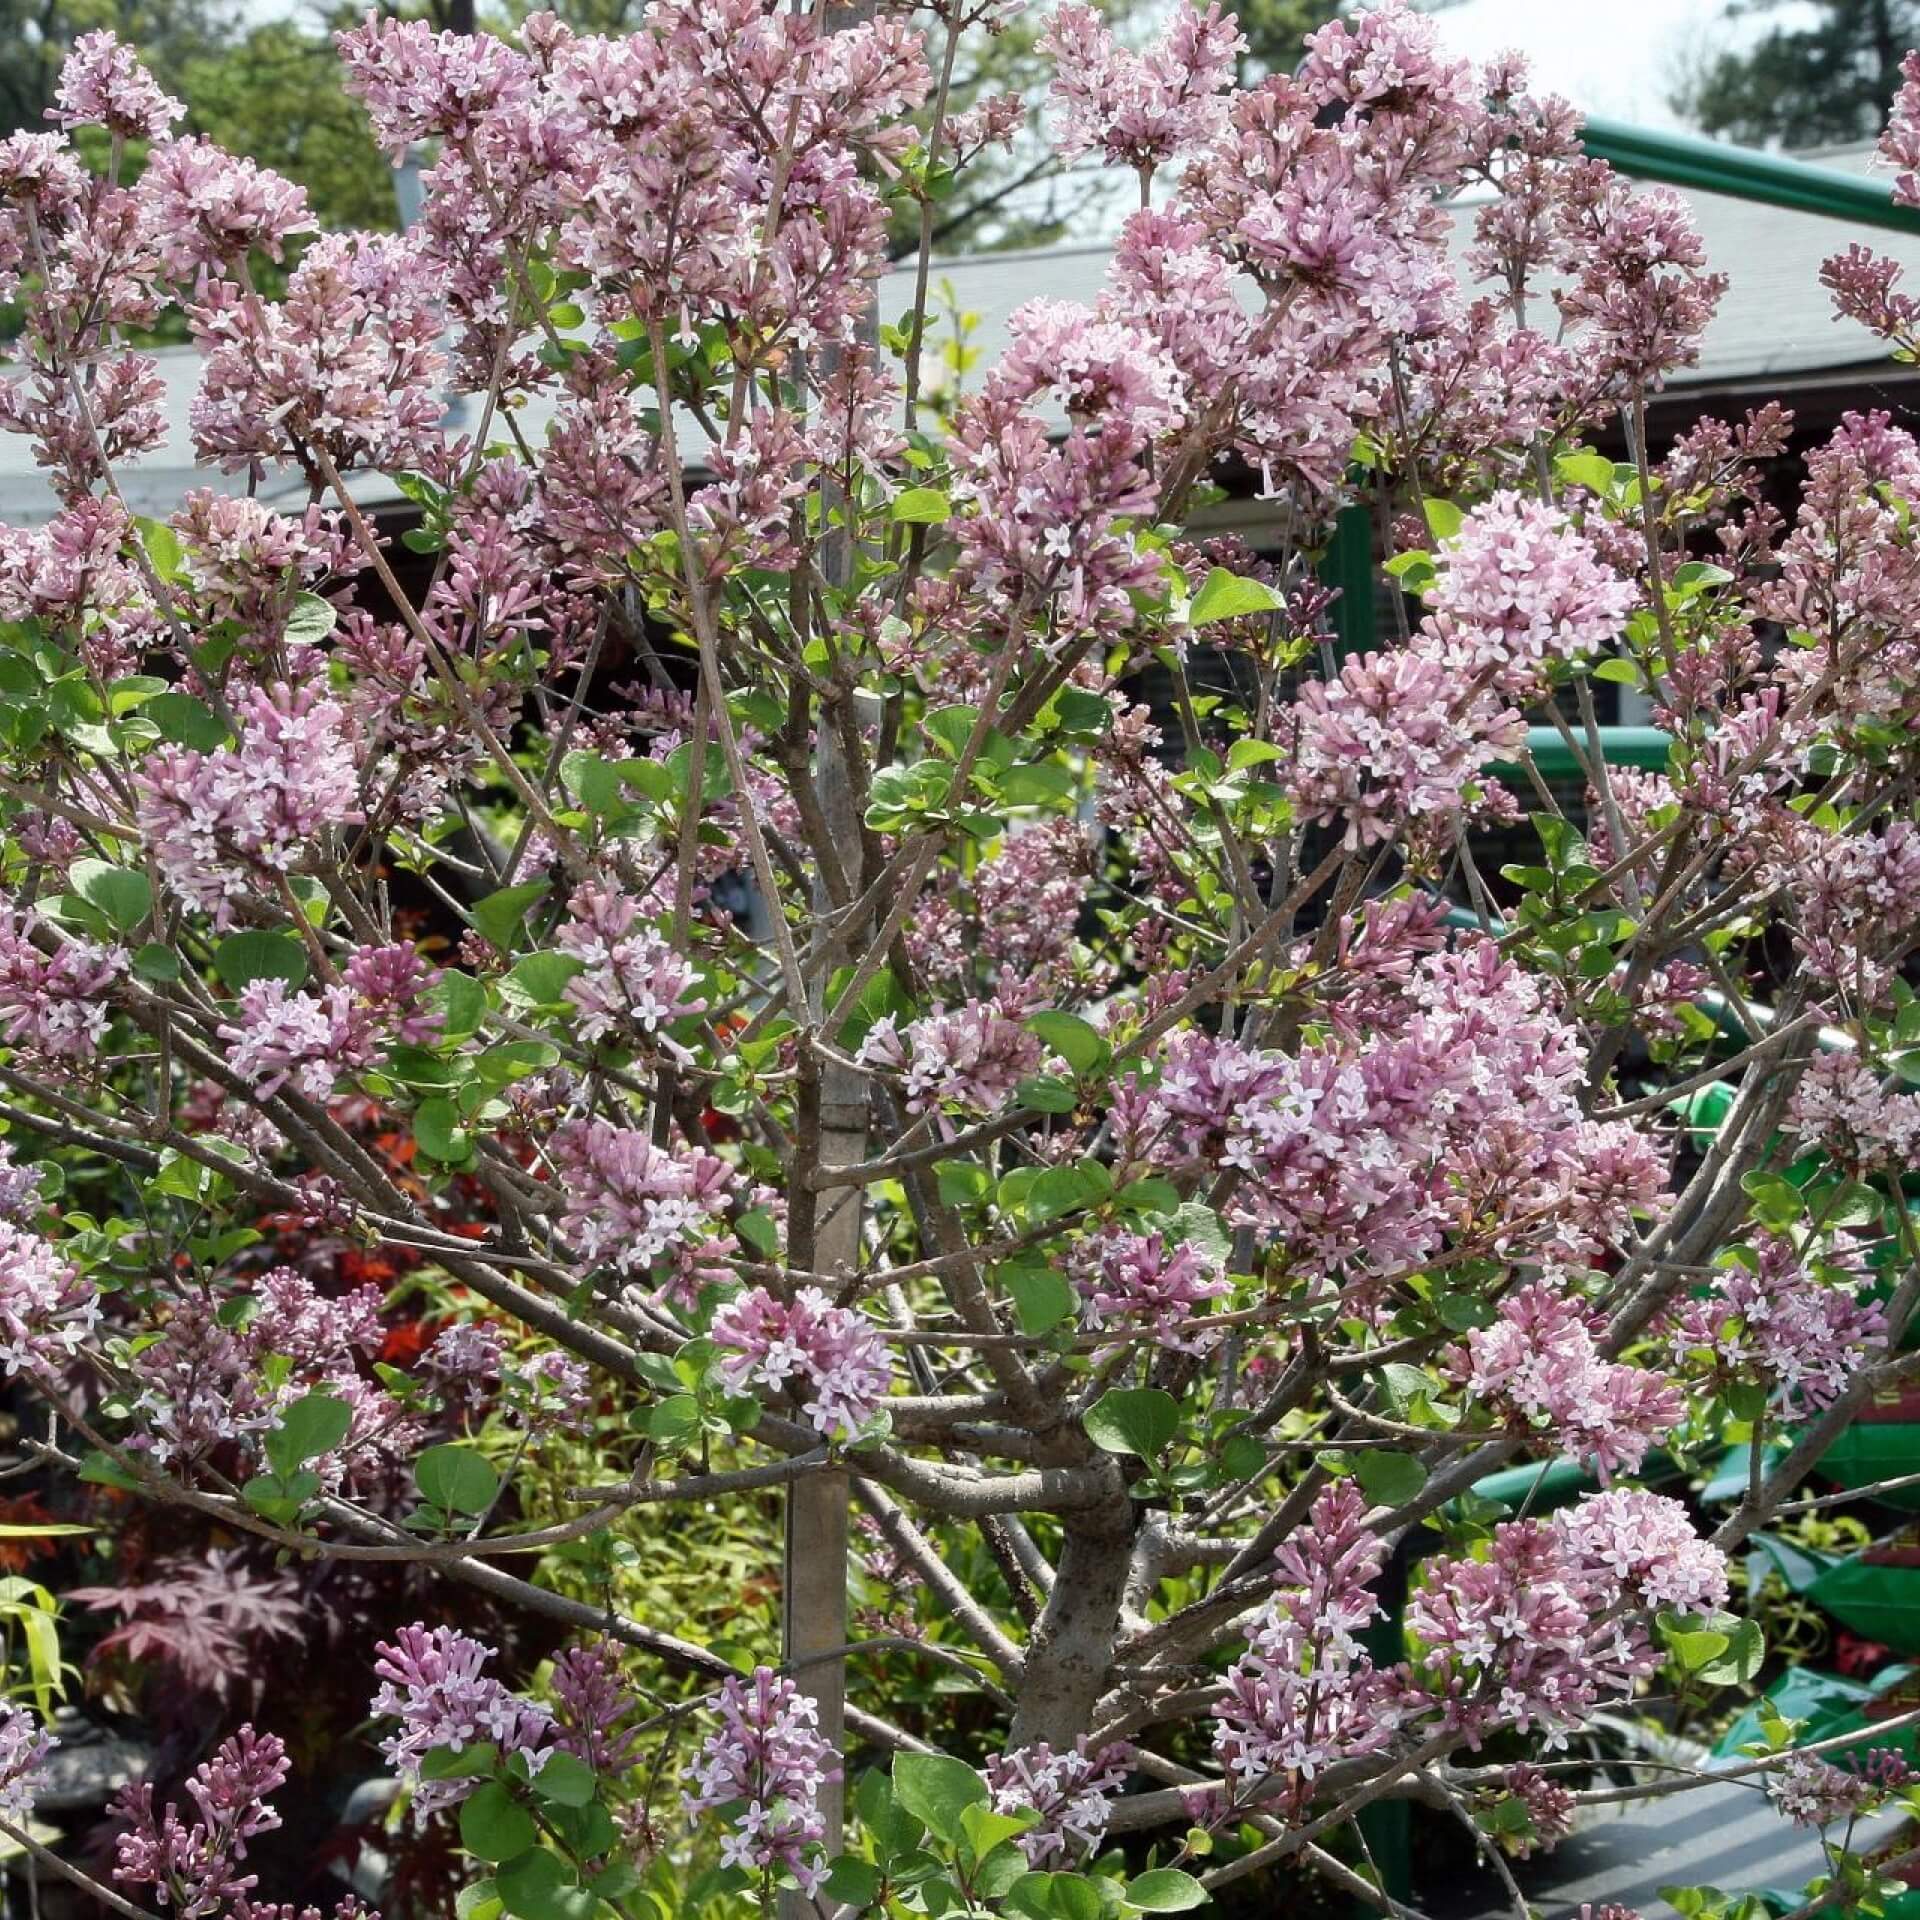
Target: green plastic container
[[1876, 1592], [1542, 1485], [1882, 1444], [1832, 1705]]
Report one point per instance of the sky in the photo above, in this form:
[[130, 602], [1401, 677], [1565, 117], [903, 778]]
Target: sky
[[1617, 58]]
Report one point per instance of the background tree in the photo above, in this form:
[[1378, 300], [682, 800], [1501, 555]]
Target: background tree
[[35, 36], [1814, 82], [275, 93], [1274, 30]]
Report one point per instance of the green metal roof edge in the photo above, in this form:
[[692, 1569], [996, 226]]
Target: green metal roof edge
[[1744, 173]]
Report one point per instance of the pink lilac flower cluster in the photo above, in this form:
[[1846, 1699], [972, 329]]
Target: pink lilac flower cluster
[[833, 1358], [1543, 1628], [594, 1701], [640, 163], [1550, 1810], [1091, 368], [195, 1867], [347, 366], [1854, 893], [1395, 739], [72, 574], [209, 210], [551, 1384], [466, 1350], [20, 1186], [1141, 1282], [433, 1682], [1849, 1111], [54, 988], [464, 1363], [633, 1205], [310, 1040], [1520, 590], [1768, 1317], [203, 1386], [24, 1747], [631, 980], [1362, 1154], [1072, 1792], [1306, 1692], [1642, 294], [1141, 110], [292, 1317], [103, 84], [969, 1057], [1849, 580], [1028, 896], [218, 822], [1813, 1792], [281, 1037], [1900, 143], [48, 1309], [241, 561], [1539, 1365], [763, 1767]]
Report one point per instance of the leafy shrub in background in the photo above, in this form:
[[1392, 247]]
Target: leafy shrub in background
[[865, 1064]]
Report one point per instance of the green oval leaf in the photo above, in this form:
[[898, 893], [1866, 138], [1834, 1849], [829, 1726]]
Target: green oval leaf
[[1389, 1479], [243, 958], [1226, 596], [456, 1478], [494, 1825], [1133, 1420], [937, 1789], [1165, 1890]]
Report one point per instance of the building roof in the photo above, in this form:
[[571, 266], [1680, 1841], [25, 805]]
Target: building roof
[[1775, 329]]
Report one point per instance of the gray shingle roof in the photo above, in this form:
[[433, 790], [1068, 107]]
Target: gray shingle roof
[[1774, 326]]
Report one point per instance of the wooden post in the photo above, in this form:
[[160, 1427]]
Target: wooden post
[[814, 1593]]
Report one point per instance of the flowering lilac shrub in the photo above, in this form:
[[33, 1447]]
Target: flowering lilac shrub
[[872, 965]]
